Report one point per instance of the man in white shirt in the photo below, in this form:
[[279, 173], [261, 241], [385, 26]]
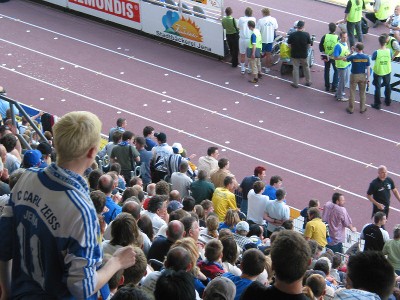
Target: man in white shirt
[[209, 163], [276, 212], [244, 36], [267, 26], [257, 203], [180, 181], [157, 212]]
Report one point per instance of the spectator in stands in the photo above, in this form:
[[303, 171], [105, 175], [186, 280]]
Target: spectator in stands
[[335, 214], [148, 134], [180, 181], [116, 168], [392, 249], [201, 189], [160, 156], [4, 187], [175, 285], [289, 267], [373, 233], [209, 163], [212, 224], [32, 158], [106, 184], [99, 201], [161, 245], [208, 207], [257, 203], [116, 280], [223, 198], [157, 211], [220, 288], [230, 255], [247, 185], [13, 159], [136, 181], [230, 221], [276, 212], [252, 265], [77, 136], [304, 214], [240, 236], [173, 206], [116, 139], [191, 228], [173, 161], [93, 179], [212, 265], [121, 125], [316, 283], [146, 226], [126, 155], [124, 232], [218, 177], [315, 229], [188, 204], [364, 286], [145, 160], [275, 183], [46, 150]]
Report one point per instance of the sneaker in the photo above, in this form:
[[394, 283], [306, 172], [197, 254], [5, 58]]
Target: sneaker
[[254, 80], [242, 71], [294, 85], [349, 111], [308, 83], [342, 99], [363, 111], [260, 75], [267, 70], [387, 103], [333, 90], [376, 106]]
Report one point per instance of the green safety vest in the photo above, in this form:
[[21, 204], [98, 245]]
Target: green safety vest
[[390, 46], [355, 12], [330, 42], [345, 51], [384, 10], [258, 39], [383, 62]]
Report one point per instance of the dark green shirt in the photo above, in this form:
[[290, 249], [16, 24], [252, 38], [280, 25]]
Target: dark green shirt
[[229, 26]]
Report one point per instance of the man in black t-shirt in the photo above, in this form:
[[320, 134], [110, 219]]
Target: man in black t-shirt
[[299, 42], [379, 192]]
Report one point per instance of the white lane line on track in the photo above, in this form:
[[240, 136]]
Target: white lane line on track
[[192, 135], [200, 107]]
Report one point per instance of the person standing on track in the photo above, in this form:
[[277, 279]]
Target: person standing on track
[[299, 42], [326, 46], [244, 36], [232, 36], [379, 192], [254, 52], [382, 72], [353, 15], [340, 52], [359, 63], [267, 26]]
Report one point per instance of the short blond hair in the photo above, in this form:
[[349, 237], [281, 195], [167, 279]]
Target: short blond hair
[[74, 134]]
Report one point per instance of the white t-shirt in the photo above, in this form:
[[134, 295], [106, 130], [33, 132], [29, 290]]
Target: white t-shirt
[[277, 210], [244, 31], [257, 203], [267, 27]]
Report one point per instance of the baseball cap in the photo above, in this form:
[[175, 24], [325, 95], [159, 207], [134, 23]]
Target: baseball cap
[[44, 148], [174, 205], [220, 288], [177, 147], [242, 225], [161, 136], [32, 158]]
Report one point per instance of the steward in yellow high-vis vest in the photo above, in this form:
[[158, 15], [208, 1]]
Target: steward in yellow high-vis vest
[[352, 17], [340, 53], [382, 11], [382, 72], [326, 46]]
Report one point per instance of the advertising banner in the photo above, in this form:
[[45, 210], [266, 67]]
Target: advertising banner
[[123, 12], [208, 3], [203, 34]]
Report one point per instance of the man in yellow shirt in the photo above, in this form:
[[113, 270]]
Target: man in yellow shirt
[[315, 229], [224, 198]]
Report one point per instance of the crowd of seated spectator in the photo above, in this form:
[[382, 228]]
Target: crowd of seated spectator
[[191, 239]]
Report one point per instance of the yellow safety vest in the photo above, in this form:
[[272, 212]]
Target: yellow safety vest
[[389, 45], [383, 62], [355, 12], [345, 51], [258, 39], [384, 10], [330, 42]]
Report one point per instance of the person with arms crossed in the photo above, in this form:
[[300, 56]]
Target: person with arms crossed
[[50, 229]]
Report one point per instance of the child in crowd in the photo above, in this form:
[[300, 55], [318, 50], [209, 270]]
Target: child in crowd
[[212, 265]]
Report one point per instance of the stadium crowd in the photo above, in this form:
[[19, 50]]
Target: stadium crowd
[[140, 219]]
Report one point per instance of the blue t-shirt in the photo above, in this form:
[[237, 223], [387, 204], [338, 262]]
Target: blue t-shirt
[[359, 62], [338, 50], [270, 191], [253, 39], [241, 283], [150, 144], [113, 210]]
